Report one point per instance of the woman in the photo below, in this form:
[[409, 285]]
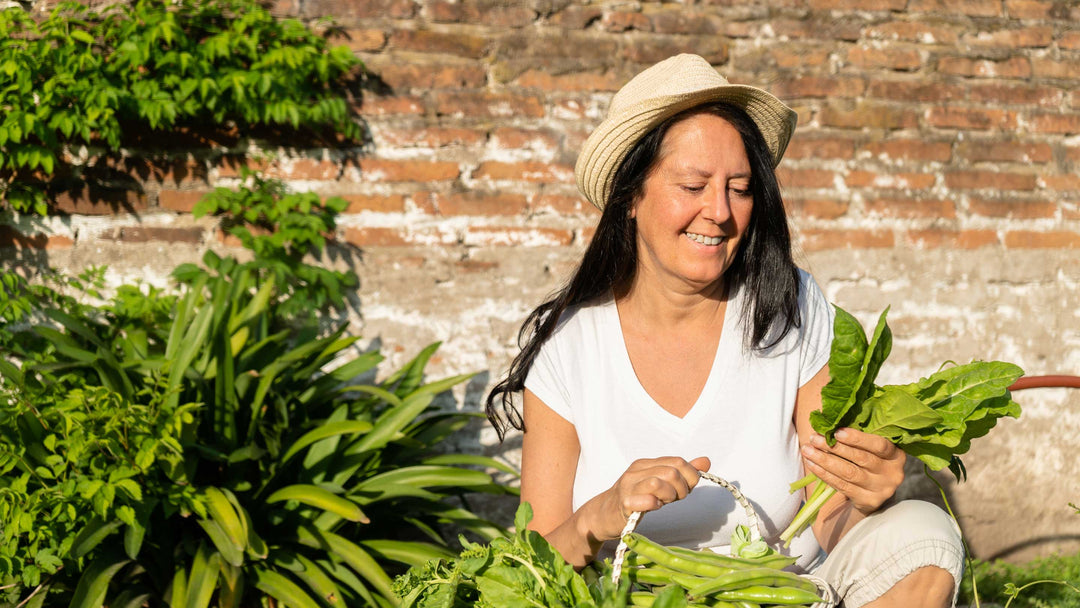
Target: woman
[[688, 340]]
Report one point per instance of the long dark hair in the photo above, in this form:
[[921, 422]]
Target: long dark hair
[[763, 265]]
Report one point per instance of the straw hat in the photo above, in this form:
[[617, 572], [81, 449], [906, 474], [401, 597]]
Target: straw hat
[[667, 88]]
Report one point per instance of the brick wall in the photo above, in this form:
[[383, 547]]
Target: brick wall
[[936, 169]]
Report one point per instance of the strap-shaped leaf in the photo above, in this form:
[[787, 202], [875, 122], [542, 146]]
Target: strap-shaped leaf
[[92, 534], [94, 582], [344, 427], [412, 553], [282, 589], [350, 553], [321, 498], [202, 582]]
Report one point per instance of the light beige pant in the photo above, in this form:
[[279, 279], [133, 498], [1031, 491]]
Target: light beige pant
[[887, 546]]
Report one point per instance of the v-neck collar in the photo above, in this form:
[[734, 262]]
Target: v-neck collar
[[723, 361]]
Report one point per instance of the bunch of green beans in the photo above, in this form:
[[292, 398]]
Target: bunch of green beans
[[711, 579]]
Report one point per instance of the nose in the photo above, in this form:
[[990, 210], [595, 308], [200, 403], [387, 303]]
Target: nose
[[716, 205]]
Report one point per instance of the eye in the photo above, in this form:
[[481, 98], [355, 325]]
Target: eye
[[741, 191], [693, 189]]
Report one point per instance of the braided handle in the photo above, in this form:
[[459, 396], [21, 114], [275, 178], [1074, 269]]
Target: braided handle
[[635, 517]]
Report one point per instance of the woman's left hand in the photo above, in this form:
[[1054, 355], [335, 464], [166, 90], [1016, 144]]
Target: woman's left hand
[[863, 467]]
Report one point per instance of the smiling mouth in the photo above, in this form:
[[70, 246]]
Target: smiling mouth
[[704, 240]]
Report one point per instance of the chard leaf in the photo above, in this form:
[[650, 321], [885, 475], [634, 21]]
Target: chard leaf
[[853, 366], [894, 413], [935, 456]]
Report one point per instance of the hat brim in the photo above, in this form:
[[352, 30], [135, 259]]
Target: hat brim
[[609, 144]]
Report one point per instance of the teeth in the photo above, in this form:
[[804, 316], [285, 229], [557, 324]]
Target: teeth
[[704, 240]]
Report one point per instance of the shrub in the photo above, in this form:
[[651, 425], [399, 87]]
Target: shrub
[[216, 446]]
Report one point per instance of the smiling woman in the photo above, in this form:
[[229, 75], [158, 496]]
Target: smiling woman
[[687, 340]]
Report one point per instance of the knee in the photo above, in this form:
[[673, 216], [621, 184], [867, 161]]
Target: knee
[[925, 521]]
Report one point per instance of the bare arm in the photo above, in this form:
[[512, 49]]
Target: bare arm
[[549, 456], [865, 469]]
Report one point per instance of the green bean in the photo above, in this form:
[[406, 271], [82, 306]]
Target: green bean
[[786, 596], [659, 575], [690, 564], [773, 560], [749, 578]]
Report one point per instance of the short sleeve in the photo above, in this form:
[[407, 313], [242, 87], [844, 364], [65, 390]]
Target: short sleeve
[[816, 331], [547, 380]]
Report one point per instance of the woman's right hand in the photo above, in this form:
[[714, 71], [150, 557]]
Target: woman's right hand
[[647, 485]]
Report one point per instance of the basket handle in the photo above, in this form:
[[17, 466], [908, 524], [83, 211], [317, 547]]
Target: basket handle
[[635, 517]]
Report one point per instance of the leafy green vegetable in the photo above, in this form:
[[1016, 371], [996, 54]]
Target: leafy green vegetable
[[933, 419], [517, 571]]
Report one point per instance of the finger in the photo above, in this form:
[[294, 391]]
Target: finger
[[701, 463], [858, 456], [875, 444], [668, 480], [836, 468]]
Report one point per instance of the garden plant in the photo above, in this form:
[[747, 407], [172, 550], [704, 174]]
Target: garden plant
[[222, 443]]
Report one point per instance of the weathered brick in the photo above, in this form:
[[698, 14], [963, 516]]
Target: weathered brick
[[311, 169], [563, 205], [450, 43], [181, 201], [909, 149], [685, 21], [858, 5], [164, 234], [818, 208], [1002, 151], [479, 203], [935, 238], [376, 237], [819, 26], [975, 180], [971, 118], [787, 57], [392, 203], [1072, 153], [819, 147], [1062, 182], [1014, 94], [1024, 37], [911, 207], [363, 40], [423, 76], [372, 105], [576, 17], [176, 172], [1023, 209], [511, 138], [95, 200], [1030, 239], [517, 236], [804, 178], [430, 137], [348, 10], [974, 8], [11, 238], [380, 170], [905, 181], [1068, 69], [868, 114], [822, 239], [586, 81], [914, 31], [486, 104], [1028, 9], [894, 59], [919, 90], [1014, 67], [531, 171], [622, 21], [494, 13], [819, 86], [1065, 124], [655, 48], [1070, 40]]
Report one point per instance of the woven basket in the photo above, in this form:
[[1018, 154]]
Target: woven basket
[[829, 597]]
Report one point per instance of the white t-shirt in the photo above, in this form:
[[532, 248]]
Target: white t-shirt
[[743, 419]]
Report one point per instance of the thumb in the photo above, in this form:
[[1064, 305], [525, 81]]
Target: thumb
[[701, 463]]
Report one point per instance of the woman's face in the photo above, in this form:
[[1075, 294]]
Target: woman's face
[[695, 205]]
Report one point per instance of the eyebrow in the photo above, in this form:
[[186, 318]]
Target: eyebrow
[[703, 173]]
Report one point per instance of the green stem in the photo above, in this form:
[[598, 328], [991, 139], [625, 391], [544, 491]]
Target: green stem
[[808, 513], [1019, 589], [967, 551], [802, 483]]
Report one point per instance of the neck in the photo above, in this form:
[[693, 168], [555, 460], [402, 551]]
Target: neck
[[674, 307]]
